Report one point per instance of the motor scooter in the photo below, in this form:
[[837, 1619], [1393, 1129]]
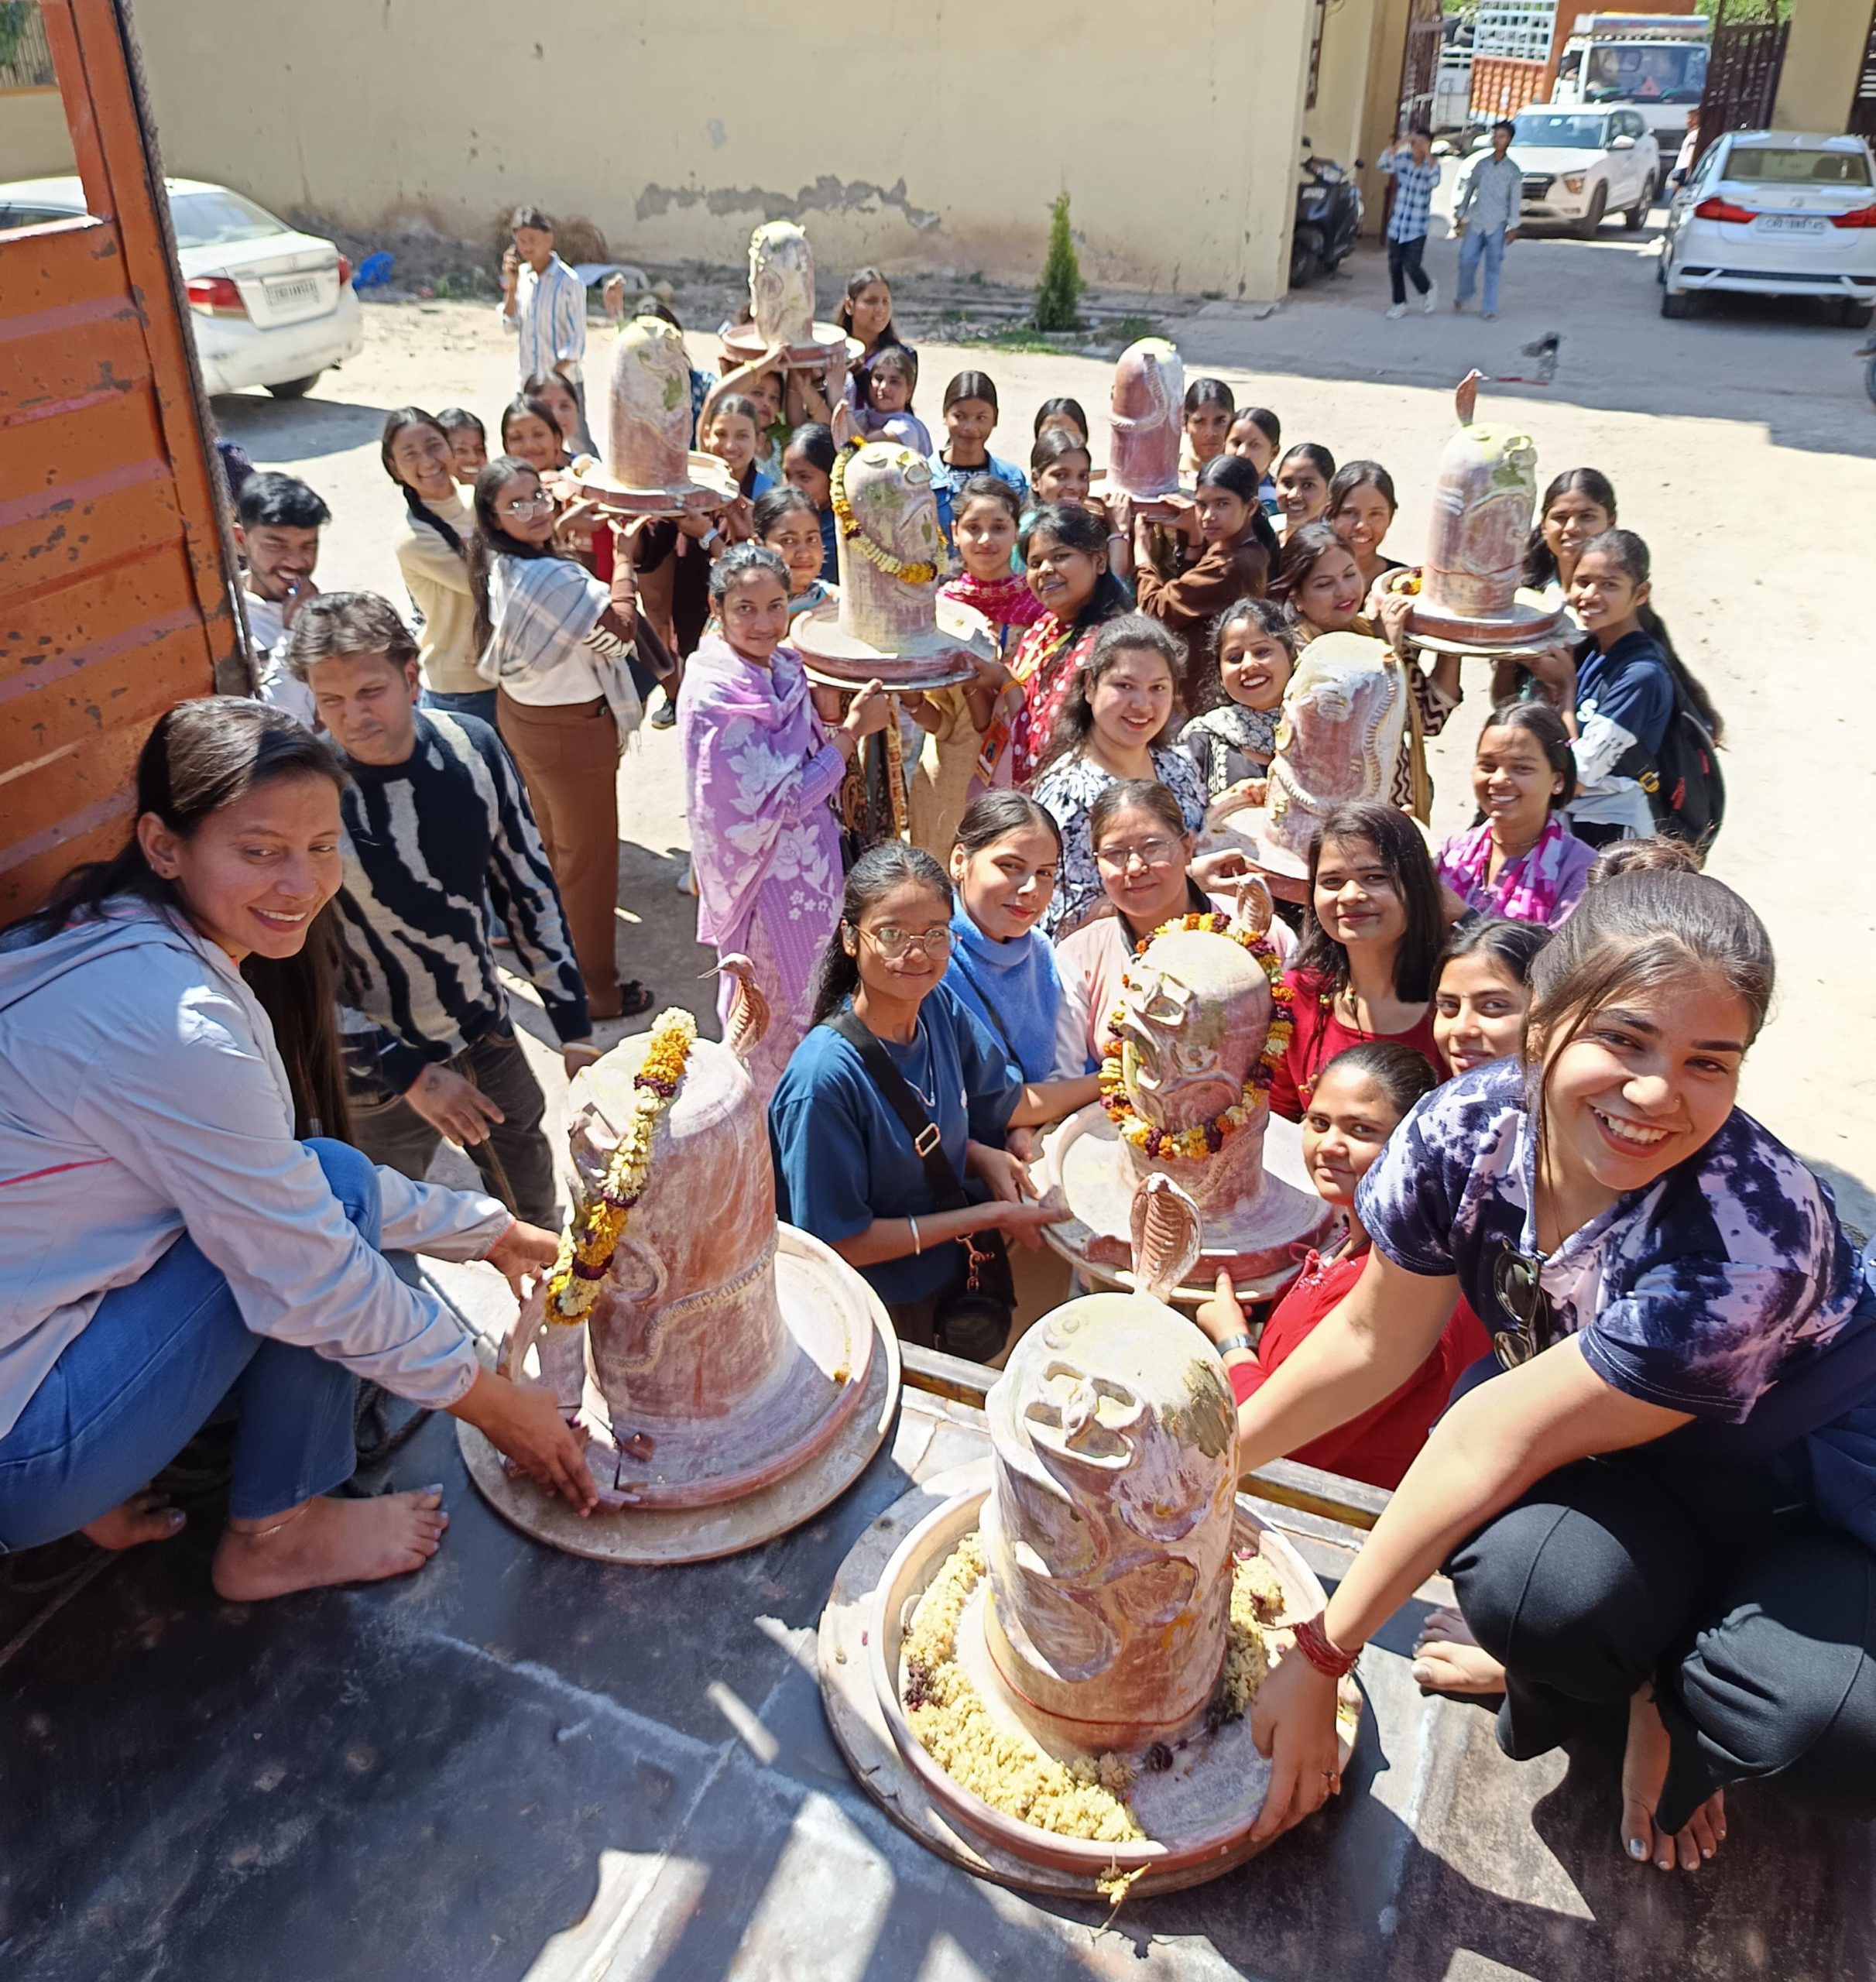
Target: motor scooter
[[1328, 216]]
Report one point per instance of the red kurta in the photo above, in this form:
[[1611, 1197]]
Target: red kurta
[[1381, 1444], [1320, 1035]]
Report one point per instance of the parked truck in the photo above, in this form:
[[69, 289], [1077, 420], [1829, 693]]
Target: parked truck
[[1655, 63]]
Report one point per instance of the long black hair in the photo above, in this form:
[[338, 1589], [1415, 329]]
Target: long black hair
[[1080, 529], [1303, 550], [1545, 728], [1132, 632], [1236, 475], [843, 312], [994, 815], [1540, 560], [202, 755], [1631, 556], [421, 513], [1398, 845], [1512, 945], [891, 864], [492, 540]]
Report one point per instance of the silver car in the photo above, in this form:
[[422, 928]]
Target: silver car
[[1579, 165]]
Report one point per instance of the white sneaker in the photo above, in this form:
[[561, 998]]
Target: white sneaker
[[1430, 302], [1398, 310]]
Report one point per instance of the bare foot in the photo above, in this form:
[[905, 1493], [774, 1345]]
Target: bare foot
[[1645, 1769], [1448, 1659], [145, 1516], [329, 1541]]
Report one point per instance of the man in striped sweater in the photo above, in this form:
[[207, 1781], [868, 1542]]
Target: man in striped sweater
[[436, 823]]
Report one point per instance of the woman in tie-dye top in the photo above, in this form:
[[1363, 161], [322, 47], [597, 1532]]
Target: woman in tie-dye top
[[1665, 1498]]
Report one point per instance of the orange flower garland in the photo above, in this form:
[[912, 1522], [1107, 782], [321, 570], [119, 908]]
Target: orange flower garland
[[1193, 1145]]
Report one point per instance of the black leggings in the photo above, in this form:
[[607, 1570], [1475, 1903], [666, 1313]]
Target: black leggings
[[1757, 1627]]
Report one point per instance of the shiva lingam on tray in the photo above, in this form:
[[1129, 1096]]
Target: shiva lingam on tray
[[708, 1353], [1063, 1653], [1203, 1021]]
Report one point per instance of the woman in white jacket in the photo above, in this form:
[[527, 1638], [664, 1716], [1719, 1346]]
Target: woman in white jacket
[[175, 1234]]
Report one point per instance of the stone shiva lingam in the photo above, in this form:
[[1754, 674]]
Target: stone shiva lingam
[[1344, 723], [1062, 1653], [1483, 497], [889, 623], [732, 1375], [782, 307], [1146, 421], [1203, 1020], [650, 469]]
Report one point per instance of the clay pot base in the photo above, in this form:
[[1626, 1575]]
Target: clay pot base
[[745, 345], [861, 1630], [790, 1487], [1086, 1162], [710, 487], [1526, 629], [940, 659]]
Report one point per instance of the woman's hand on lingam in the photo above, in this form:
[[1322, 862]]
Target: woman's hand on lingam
[[523, 1422], [1392, 610], [1218, 1314], [869, 713], [522, 1253], [1293, 1722]]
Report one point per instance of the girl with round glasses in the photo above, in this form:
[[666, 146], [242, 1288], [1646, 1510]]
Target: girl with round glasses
[[1658, 1500], [848, 1167]]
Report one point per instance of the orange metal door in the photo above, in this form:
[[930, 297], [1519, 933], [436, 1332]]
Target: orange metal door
[[116, 568]]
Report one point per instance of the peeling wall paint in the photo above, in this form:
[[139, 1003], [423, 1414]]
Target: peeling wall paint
[[1178, 149]]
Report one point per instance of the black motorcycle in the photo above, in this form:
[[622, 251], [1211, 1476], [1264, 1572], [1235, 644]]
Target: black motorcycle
[[1328, 214]]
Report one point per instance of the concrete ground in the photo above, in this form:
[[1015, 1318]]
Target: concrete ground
[[1741, 446]]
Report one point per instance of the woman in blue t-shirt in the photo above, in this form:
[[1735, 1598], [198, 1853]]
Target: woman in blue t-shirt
[[1627, 679], [1006, 863], [846, 1167], [1665, 1502]]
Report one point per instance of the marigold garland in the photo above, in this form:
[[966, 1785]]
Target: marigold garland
[[874, 553], [589, 1242], [1206, 1138]]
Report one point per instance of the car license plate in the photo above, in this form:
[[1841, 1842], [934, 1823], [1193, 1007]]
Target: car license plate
[[1790, 223], [293, 289]]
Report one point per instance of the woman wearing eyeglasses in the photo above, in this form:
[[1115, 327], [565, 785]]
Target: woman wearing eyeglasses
[[1142, 849], [1116, 723], [847, 1167], [554, 642], [1663, 1503]]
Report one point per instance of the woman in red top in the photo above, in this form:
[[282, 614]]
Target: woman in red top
[[1360, 1099], [1370, 953], [1065, 552]]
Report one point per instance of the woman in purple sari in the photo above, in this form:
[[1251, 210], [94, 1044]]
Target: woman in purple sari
[[1521, 861], [760, 770]]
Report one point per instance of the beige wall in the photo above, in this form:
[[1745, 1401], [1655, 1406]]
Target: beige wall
[[34, 142], [898, 131], [1334, 127], [1823, 59]]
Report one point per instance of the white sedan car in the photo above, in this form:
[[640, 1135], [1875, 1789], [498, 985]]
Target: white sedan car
[[1579, 164], [1775, 212], [269, 306]]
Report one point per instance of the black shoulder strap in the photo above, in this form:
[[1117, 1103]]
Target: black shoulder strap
[[947, 1194]]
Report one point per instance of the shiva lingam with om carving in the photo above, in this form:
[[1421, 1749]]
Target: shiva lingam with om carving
[[1203, 1019]]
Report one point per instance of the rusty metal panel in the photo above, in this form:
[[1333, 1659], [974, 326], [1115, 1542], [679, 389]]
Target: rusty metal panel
[[115, 573]]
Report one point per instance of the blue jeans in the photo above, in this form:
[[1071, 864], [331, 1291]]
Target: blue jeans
[[158, 1358], [478, 702], [1473, 243]]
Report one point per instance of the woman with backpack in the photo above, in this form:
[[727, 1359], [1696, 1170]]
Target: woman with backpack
[[1638, 758]]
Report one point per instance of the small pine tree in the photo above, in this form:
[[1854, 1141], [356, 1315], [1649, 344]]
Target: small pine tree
[[1061, 288]]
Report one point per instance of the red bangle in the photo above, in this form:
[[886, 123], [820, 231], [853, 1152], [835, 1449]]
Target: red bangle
[[1327, 1658]]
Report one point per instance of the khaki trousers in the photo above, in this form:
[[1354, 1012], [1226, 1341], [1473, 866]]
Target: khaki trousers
[[568, 753]]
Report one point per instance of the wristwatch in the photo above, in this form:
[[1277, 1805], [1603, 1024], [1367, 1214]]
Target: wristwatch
[[1232, 1343]]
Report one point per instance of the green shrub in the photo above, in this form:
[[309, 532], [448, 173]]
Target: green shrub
[[1061, 288]]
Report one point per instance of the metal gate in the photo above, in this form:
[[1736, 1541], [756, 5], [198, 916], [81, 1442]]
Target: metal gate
[[1863, 105], [1742, 77], [1420, 63]]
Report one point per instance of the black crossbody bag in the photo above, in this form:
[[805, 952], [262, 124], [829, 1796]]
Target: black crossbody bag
[[972, 1316]]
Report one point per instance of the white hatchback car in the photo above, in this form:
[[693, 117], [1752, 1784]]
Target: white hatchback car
[[1579, 164], [1775, 212], [269, 306]]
